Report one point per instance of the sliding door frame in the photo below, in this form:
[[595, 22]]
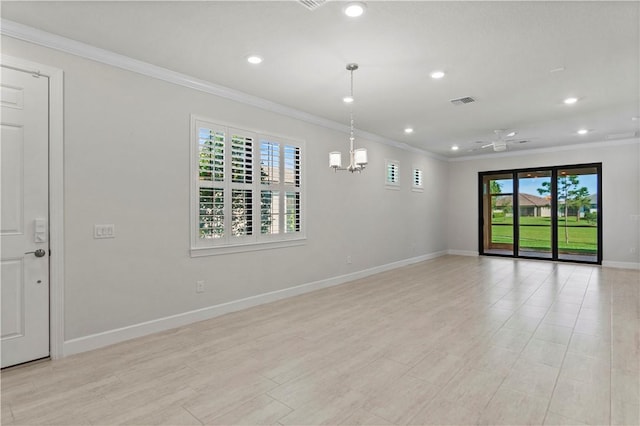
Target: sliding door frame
[[554, 211]]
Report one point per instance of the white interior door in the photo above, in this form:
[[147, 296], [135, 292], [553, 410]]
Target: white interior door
[[24, 218]]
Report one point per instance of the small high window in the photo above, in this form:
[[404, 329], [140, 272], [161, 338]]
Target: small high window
[[392, 178], [417, 184]]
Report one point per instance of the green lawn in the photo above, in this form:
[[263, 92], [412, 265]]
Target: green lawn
[[535, 233]]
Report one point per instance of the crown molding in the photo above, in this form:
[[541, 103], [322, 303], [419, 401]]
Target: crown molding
[[86, 51], [603, 144]]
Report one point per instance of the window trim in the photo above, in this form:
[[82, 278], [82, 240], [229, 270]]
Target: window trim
[[257, 241]]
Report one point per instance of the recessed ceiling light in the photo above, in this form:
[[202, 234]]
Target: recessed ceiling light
[[454, 148], [570, 101], [254, 59], [511, 134], [347, 99], [437, 74], [408, 130], [583, 131], [355, 9]]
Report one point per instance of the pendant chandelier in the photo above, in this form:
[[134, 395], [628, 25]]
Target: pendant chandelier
[[357, 157]]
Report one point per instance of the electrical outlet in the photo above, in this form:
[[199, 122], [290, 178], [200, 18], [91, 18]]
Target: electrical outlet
[[104, 231], [349, 260], [199, 286], [632, 250]]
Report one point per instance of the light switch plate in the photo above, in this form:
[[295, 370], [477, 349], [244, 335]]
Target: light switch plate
[[104, 231]]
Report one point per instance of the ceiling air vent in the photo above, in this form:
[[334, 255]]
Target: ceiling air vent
[[312, 4], [461, 101]]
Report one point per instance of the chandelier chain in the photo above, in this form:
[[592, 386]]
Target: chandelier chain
[[351, 134]]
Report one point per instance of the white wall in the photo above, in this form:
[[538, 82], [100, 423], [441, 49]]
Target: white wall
[[620, 195], [126, 161]]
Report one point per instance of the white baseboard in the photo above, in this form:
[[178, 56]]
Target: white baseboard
[[621, 265], [110, 337], [462, 252]]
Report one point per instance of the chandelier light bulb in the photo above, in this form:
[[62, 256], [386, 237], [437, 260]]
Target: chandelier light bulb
[[335, 159]]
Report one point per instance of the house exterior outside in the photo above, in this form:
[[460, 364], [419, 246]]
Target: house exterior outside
[[592, 207], [530, 205]]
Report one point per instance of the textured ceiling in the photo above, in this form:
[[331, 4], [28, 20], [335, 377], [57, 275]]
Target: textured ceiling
[[506, 55]]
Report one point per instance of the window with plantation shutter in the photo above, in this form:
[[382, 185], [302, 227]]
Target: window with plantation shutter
[[269, 162], [280, 187], [270, 212], [241, 159], [392, 179], [211, 217], [292, 165], [247, 190], [241, 212], [417, 180], [292, 212], [211, 159]]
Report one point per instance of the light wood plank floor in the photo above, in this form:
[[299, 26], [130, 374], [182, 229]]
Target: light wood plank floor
[[455, 340]]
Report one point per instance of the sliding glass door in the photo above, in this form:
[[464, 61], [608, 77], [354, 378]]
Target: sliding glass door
[[497, 205], [578, 224], [534, 214], [544, 213]]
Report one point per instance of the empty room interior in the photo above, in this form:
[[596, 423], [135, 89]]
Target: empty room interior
[[320, 212]]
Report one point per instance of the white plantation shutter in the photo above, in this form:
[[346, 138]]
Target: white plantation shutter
[[211, 159], [241, 158], [270, 212], [280, 206], [240, 172], [292, 212], [417, 180], [392, 173], [292, 189], [241, 212], [211, 216], [211, 174], [292, 165], [247, 188], [269, 162]]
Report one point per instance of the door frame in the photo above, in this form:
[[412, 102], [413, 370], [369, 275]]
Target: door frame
[[56, 195], [554, 208]]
